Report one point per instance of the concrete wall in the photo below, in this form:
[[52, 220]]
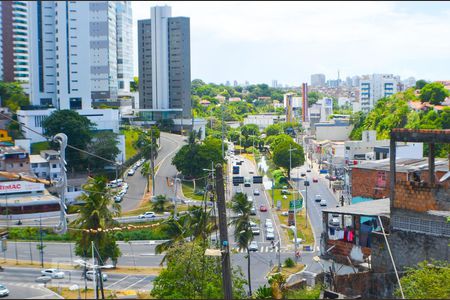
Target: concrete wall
[[333, 133]]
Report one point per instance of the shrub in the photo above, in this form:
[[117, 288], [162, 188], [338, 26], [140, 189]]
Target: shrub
[[289, 263]]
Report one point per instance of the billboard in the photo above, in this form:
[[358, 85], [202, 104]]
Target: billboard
[[12, 187]]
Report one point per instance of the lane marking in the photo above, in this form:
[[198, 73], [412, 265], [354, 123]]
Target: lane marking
[[128, 287], [109, 286]]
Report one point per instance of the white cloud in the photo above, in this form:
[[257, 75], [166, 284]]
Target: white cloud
[[287, 41]]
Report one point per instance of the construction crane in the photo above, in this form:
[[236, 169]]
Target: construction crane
[[60, 184]]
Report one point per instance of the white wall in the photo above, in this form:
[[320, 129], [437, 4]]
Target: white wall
[[333, 133], [410, 150]]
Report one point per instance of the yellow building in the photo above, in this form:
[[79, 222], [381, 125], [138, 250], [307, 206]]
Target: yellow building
[[4, 137]]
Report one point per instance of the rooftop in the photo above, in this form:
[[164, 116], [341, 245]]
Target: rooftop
[[404, 164], [11, 150], [37, 159], [379, 207]]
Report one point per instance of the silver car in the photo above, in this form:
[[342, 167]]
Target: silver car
[[253, 246], [90, 276], [3, 291]]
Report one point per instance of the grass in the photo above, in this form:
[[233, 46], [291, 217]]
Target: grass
[[37, 147], [287, 271], [303, 232], [188, 190], [89, 293], [131, 136]]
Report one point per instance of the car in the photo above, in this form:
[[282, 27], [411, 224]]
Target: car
[[285, 213], [315, 179], [253, 211], [270, 229], [250, 199], [309, 170], [131, 172], [122, 193], [334, 222], [333, 178], [318, 198], [53, 273], [262, 208], [303, 174], [323, 202], [3, 291], [268, 221], [239, 190], [251, 172], [43, 279], [147, 215], [285, 187], [118, 199], [256, 192], [253, 224], [253, 246], [256, 231], [270, 236], [90, 276], [125, 186], [284, 192]]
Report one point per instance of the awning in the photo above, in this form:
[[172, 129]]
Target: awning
[[380, 207]]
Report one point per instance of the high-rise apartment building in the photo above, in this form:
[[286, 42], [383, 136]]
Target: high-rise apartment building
[[164, 65], [124, 23], [374, 87], [14, 39], [74, 54], [317, 80]]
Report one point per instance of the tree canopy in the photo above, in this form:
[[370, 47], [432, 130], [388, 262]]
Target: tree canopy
[[78, 130], [420, 84], [103, 144], [12, 95], [283, 158], [434, 93]]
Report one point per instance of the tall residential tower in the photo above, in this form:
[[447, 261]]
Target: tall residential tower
[[164, 65]]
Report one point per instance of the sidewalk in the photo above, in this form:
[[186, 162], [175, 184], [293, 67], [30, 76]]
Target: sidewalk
[[315, 167]]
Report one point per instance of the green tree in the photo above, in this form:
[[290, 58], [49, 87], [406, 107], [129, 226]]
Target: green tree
[[426, 281], [243, 234], [134, 85], [78, 130], [420, 84], [274, 129], [192, 275], [313, 97], [165, 125], [147, 142], [434, 93], [12, 95], [281, 155], [264, 292], [95, 215], [158, 203], [146, 171], [103, 144], [250, 129]]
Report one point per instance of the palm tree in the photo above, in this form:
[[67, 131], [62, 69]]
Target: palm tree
[[97, 214], [158, 203], [146, 170], [243, 234]]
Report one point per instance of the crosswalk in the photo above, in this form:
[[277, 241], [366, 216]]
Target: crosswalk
[[262, 249]]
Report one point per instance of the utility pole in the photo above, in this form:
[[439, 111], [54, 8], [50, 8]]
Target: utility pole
[[223, 227], [61, 138], [95, 271], [41, 243], [223, 136]]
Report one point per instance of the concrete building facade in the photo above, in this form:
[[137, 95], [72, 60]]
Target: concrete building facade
[[164, 64], [14, 40], [318, 80], [376, 86]]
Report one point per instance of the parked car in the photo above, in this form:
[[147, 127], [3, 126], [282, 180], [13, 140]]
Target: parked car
[[270, 229], [268, 222], [315, 179], [303, 174], [323, 202], [270, 236], [253, 246], [256, 192], [90, 276], [255, 230], [250, 199], [118, 199], [131, 172], [253, 224], [285, 213], [253, 211], [3, 291], [284, 192], [318, 198], [334, 222], [299, 240], [53, 273], [262, 208], [147, 215], [309, 170]]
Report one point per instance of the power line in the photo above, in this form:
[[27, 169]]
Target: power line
[[51, 139]]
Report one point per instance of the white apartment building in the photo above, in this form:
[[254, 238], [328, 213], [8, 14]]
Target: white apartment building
[[264, 120], [124, 35], [74, 54], [14, 40], [376, 86]]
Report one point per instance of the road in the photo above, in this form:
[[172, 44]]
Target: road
[[170, 144]]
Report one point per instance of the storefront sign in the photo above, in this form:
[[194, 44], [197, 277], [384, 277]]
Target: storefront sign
[[12, 187]]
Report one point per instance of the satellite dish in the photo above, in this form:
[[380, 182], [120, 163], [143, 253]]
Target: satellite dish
[[445, 177]]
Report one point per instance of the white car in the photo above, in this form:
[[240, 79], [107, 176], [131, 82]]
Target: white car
[[269, 222], [3, 291], [250, 199], [318, 198], [285, 213], [270, 236], [299, 240], [270, 229], [125, 186], [323, 202], [334, 222], [253, 224], [256, 192], [253, 246], [53, 273], [147, 215], [131, 172], [256, 231], [90, 276], [118, 199]]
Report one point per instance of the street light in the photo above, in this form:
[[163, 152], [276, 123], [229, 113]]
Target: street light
[[41, 246]]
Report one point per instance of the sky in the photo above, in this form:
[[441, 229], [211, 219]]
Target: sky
[[288, 41]]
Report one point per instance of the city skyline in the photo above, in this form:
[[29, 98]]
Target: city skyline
[[397, 38]]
